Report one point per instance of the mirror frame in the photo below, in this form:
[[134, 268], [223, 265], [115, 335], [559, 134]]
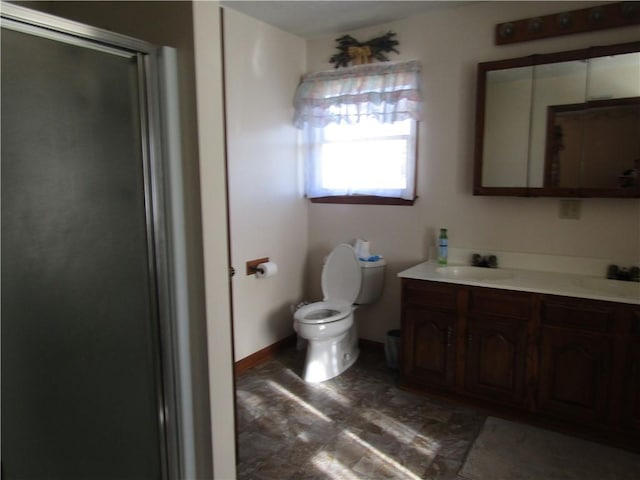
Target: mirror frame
[[531, 61]]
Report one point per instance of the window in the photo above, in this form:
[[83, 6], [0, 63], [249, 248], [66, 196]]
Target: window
[[359, 131]]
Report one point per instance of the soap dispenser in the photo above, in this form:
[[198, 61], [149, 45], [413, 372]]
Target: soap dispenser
[[443, 247]]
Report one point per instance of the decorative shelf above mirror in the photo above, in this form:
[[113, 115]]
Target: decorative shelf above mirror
[[561, 125]]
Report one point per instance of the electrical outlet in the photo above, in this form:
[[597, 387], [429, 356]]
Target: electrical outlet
[[569, 209]]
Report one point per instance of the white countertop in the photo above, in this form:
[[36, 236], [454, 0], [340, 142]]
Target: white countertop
[[554, 283]]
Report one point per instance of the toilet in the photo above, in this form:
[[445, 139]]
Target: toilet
[[329, 326]]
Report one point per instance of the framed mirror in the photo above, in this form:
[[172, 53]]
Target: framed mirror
[[564, 124]]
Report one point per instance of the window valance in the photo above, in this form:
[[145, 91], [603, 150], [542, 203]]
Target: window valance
[[386, 91]]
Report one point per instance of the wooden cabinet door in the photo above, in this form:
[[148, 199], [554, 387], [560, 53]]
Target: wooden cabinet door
[[631, 414], [574, 374], [495, 358], [429, 347]]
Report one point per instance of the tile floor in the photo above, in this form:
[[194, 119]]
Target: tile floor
[[358, 425]]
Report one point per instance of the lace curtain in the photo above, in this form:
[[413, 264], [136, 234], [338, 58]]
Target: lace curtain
[[386, 91]]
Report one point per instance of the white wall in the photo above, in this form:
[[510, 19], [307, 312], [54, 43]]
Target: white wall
[[450, 43], [268, 214]]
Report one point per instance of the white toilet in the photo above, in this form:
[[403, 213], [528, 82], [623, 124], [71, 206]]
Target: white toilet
[[328, 325]]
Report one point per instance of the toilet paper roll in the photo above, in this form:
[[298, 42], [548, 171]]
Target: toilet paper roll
[[266, 269], [364, 250], [358, 246]]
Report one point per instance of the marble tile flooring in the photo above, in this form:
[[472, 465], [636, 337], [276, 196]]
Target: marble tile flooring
[[356, 426]]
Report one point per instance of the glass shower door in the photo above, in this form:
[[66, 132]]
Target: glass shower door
[[81, 377]]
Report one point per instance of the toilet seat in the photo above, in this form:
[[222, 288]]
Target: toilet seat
[[322, 312], [341, 281]]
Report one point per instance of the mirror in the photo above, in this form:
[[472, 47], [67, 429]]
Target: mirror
[[594, 143], [563, 124]]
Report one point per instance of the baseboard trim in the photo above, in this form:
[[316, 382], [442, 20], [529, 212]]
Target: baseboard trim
[[269, 351], [263, 355], [371, 345]]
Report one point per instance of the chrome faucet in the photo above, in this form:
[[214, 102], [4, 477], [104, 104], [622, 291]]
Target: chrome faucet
[[487, 261], [631, 274]]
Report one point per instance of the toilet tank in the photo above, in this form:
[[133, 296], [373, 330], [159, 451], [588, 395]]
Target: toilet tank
[[372, 281]]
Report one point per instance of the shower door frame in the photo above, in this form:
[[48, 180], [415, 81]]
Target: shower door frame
[[157, 208]]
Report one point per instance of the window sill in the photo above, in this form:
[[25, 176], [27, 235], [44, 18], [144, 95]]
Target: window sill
[[363, 200]]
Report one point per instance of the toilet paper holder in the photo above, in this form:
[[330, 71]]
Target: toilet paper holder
[[253, 265]]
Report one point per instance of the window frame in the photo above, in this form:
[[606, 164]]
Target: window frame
[[361, 199]]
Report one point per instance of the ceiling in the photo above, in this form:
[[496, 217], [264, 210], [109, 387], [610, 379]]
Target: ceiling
[[312, 19]]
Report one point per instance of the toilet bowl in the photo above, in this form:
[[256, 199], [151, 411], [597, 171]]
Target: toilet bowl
[[329, 325]]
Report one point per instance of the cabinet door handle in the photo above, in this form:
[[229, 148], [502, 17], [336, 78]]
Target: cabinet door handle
[[450, 333], [469, 340]]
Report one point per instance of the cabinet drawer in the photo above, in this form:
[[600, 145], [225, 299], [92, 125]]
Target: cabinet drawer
[[583, 315], [500, 302], [429, 294]]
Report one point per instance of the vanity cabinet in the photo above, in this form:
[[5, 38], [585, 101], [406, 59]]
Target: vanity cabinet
[[574, 374], [631, 409], [562, 360], [429, 334], [496, 347], [632, 397], [576, 359], [430, 356]]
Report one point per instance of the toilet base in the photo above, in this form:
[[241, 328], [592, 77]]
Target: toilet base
[[329, 358]]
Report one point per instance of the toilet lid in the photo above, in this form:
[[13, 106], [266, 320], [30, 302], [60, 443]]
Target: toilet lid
[[341, 275]]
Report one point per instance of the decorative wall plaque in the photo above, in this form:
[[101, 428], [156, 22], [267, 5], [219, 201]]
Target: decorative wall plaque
[[612, 15]]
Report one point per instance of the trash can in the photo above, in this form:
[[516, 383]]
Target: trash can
[[391, 347]]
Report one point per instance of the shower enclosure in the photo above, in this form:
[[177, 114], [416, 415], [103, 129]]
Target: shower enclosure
[[88, 334]]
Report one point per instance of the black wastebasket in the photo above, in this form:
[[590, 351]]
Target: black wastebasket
[[391, 347]]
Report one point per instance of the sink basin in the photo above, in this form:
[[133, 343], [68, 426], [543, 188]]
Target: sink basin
[[610, 287], [473, 273]]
